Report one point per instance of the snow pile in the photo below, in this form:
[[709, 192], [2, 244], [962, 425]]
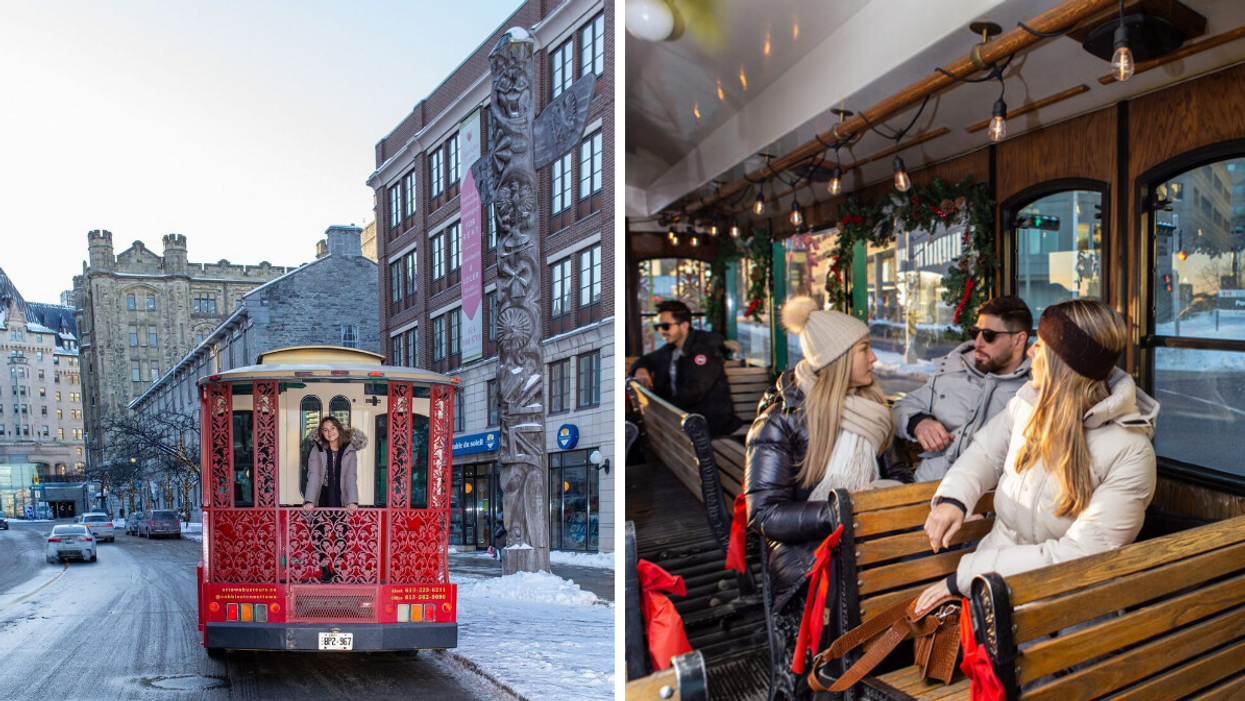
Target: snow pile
[[892, 365], [537, 587], [192, 531], [538, 634], [603, 561]]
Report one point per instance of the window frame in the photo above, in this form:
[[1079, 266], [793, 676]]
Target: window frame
[[562, 67], [564, 393], [594, 357]]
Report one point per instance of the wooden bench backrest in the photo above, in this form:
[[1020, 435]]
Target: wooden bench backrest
[[663, 422], [886, 554], [748, 384], [1161, 619]]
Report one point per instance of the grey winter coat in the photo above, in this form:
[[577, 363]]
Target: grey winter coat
[[317, 469], [962, 399], [1027, 534]]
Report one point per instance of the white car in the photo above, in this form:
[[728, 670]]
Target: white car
[[101, 526], [71, 541]]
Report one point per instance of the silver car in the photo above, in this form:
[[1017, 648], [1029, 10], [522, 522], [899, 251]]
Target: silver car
[[101, 526], [71, 541]]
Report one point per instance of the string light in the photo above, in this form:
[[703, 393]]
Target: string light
[[797, 218], [1122, 65], [735, 229], [759, 207], [713, 228], [998, 122], [836, 178], [902, 182]]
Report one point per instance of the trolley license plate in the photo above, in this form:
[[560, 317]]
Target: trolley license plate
[[337, 641]]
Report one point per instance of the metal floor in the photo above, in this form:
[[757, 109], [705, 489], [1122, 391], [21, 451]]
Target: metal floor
[[729, 629]]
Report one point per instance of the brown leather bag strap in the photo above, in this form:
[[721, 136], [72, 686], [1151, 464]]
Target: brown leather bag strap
[[863, 632]]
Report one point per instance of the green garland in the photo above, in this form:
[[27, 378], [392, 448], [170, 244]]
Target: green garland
[[728, 249], [923, 208], [761, 254]]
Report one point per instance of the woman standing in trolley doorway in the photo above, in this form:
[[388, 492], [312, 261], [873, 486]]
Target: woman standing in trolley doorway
[[332, 469]]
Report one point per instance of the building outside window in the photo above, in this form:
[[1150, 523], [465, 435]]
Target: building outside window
[[151, 338], [395, 282], [592, 47], [438, 338], [456, 331], [589, 379], [412, 348], [491, 299], [492, 397], [395, 207], [135, 375], [590, 277], [560, 386], [560, 288], [409, 263], [455, 233], [438, 256], [453, 153], [591, 177], [574, 501], [395, 350], [561, 190], [133, 336], [350, 336], [130, 304], [151, 303], [460, 411], [408, 194], [436, 172], [561, 65]]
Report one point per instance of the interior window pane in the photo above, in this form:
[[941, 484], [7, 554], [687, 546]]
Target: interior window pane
[[1202, 393], [1059, 249]]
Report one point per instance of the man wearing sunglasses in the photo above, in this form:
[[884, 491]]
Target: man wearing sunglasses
[[689, 371], [969, 386]]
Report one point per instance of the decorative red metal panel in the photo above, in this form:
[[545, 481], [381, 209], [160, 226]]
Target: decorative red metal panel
[[220, 437], [440, 437], [417, 546], [243, 545], [333, 545], [266, 450], [205, 462], [400, 445]]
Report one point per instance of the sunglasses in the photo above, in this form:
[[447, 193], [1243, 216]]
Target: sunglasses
[[989, 334], [662, 325]]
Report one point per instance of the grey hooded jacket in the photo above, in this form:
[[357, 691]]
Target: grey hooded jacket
[[317, 468], [962, 399]]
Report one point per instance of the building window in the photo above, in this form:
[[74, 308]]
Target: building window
[[205, 304], [395, 207], [151, 338], [409, 263], [560, 387], [412, 348], [456, 331], [130, 304], [560, 288], [438, 338], [350, 336], [589, 379], [491, 301], [438, 256], [395, 348], [436, 172], [395, 282], [155, 372], [460, 411], [590, 277], [490, 227], [453, 154], [151, 303], [591, 179], [560, 176], [562, 66], [408, 194], [493, 399], [592, 47], [133, 337], [135, 375], [455, 233]]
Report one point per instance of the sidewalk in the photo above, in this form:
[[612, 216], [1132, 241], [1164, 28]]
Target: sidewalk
[[542, 636]]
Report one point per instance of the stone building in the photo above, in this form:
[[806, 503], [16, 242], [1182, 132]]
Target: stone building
[[328, 302], [41, 425], [139, 312], [429, 266]]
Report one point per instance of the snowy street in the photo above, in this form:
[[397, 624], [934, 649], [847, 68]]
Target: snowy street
[[125, 628]]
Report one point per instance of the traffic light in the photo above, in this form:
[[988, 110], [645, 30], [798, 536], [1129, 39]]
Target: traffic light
[[1040, 222], [1167, 282]]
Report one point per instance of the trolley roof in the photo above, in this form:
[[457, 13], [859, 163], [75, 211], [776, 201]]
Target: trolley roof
[[327, 363]]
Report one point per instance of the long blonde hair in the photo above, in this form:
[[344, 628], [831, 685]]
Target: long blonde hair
[[823, 413], [1055, 434]]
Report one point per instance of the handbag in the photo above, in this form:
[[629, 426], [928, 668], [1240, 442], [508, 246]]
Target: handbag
[[936, 636]]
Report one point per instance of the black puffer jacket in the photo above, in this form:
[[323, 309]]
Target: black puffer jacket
[[777, 508]]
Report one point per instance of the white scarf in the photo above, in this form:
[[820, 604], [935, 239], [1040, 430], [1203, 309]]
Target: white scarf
[[853, 464]]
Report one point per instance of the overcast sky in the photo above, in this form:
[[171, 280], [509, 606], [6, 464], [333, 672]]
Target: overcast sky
[[249, 126]]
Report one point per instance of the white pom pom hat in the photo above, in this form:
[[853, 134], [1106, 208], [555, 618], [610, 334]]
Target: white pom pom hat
[[824, 335]]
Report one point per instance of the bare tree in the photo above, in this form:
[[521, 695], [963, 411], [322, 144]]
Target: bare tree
[[162, 448]]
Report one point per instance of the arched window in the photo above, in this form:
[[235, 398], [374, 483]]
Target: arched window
[[1194, 351], [309, 418], [1056, 243], [339, 408]]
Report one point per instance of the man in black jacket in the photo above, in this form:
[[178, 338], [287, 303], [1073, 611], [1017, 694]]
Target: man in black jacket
[[690, 370]]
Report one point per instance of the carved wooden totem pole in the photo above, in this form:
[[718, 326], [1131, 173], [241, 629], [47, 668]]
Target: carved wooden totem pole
[[506, 176]]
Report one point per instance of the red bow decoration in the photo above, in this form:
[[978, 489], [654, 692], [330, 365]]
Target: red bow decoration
[[813, 620], [662, 624], [851, 219], [752, 307], [969, 284], [739, 535], [985, 686]]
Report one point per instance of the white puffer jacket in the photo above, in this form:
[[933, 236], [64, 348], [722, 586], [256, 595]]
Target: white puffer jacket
[[1027, 534]]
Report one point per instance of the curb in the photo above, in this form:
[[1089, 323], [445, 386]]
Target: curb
[[471, 666]]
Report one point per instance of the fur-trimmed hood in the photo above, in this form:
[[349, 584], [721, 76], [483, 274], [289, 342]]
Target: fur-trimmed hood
[[355, 438]]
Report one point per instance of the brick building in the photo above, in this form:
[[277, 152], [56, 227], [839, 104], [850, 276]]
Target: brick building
[[423, 256], [40, 405], [138, 313]]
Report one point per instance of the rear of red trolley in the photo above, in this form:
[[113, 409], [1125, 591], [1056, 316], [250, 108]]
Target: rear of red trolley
[[275, 576]]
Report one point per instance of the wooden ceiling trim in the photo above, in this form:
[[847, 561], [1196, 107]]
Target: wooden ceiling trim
[[1184, 52]]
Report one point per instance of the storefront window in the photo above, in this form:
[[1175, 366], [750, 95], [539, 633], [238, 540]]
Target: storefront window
[[752, 332], [573, 502], [662, 279], [1058, 244], [1198, 337], [807, 260]]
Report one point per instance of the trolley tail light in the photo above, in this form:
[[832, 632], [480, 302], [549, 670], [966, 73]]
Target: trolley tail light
[[376, 373], [231, 612], [339, 372]]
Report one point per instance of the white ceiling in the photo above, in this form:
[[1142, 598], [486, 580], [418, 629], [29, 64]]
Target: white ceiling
[[682, 133]]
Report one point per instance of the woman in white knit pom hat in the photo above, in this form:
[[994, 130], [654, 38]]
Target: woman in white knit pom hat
[[823, 426]]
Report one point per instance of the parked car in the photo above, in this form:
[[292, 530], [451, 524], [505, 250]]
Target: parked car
[[101, 526], [161, 522], [71, 541], [131, 523], [4, 523]]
